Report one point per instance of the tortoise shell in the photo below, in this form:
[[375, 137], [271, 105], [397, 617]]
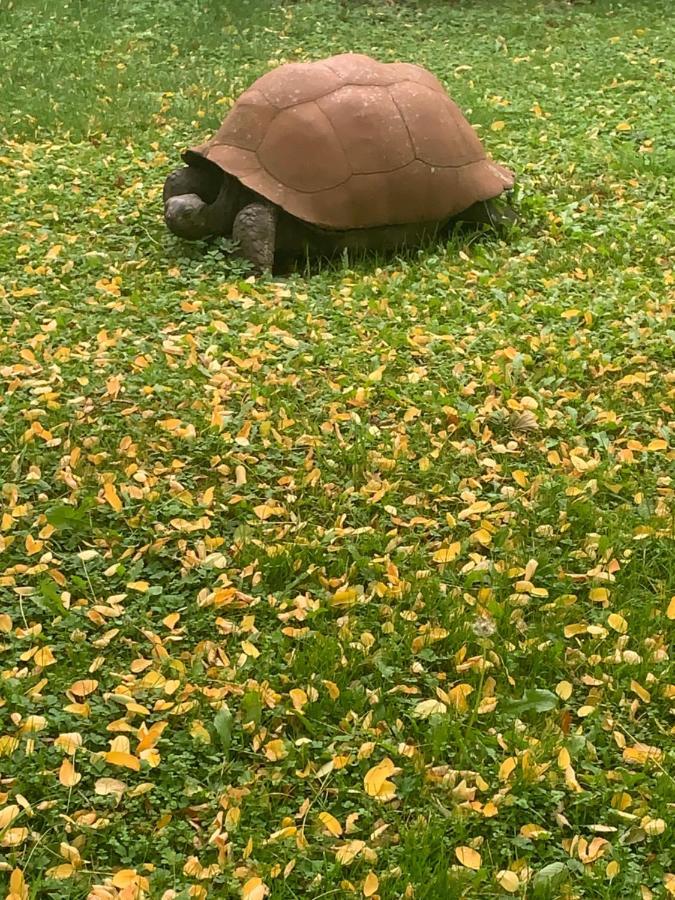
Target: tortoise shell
[[349, 142]]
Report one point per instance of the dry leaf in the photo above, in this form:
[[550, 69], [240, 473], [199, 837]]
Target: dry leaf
[[376, 781], [254, 889], [429, 708], [120, 758], [508, 881], [448, 554], [370, 885], [67, 774], [468, 857], [111, 496], [330, 823]]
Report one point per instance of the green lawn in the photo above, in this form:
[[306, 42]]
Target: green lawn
[[355, 583]]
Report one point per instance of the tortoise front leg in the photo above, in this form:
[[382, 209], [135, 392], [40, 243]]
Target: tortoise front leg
[[255, 230]]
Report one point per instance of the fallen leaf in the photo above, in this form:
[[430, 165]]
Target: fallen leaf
[[468, 857], [508, 881], [376, 781], [429, 708], [330, 823], [67, 774], [254, 889], [371, 884]]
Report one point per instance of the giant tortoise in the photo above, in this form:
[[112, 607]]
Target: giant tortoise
[[346, 152]]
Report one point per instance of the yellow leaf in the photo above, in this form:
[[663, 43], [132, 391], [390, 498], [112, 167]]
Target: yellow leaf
[[332, 688], [429, 708], [151, 736], [564, 759], [346, 596], [643, 694], [330, 823], [670, 612], [61, 872], [44, 657], [105, 786], [13, 837], [653, 827], [267, 510], [6, 627], [457, 696], [468, 857], [275, 750], [140, 586], [171, 620], [18, 889], [618, 623], [254, 889], [533, 832], [8, 815], [574, 630], [507, 768], [612, 869], [508, 881], [83, 688], [33, 546], [298, 698], [571, 781], [669, 883], [499, 125], [250, 649], [447, 554], [8, 744], [624, 126], [482, 536], [67, 774], [593, 851], [371, 884], [119, 758], [77, 709], [286, 832], [564, 690], [111, 496], [125, 877], [347, 853], [599, 595], [88, 555], [151, 757], [376, 781]]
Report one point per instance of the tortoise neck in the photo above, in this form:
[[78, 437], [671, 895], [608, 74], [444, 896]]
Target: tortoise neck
[[221, 213]]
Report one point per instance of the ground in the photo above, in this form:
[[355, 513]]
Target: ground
[[358, 582]]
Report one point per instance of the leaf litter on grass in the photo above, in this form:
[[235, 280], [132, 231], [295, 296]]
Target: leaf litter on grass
[[354, 583]]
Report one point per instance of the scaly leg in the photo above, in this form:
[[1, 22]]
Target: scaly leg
[[255, 230]]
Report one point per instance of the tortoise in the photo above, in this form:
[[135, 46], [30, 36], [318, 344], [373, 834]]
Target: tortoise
[[346, 152]]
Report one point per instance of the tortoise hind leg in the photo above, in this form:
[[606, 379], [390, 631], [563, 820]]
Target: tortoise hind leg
[[254, 229], [497, 214]]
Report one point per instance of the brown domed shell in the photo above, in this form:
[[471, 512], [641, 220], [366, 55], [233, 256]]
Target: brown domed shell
[[349, 142]]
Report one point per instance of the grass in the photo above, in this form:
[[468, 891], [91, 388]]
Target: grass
[[265, 543]]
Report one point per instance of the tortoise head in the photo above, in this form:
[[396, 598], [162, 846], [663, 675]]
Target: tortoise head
[[188, 217], [200, 202]]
